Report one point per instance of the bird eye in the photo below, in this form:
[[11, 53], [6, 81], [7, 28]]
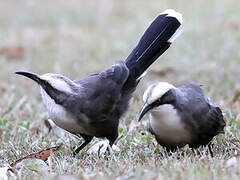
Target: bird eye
[[158, 101], [44, 84]]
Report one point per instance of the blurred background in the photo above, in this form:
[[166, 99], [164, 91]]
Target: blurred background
[[77, 37]]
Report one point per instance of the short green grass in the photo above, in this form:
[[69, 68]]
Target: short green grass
[[76, 38]]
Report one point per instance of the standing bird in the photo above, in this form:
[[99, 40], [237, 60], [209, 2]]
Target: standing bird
[[92, 106], [180, 116]]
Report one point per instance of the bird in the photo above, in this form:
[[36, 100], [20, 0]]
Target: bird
[[181, 115], [92, 106]]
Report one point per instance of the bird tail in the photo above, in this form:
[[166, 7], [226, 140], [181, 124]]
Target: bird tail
[[154, 42]]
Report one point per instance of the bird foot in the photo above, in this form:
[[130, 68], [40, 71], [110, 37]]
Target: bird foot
[[102, 147]]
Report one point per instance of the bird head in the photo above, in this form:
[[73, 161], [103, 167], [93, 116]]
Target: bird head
[[154, 97], [54, 85]]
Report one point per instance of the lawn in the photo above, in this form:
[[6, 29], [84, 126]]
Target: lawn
[[76, 38]]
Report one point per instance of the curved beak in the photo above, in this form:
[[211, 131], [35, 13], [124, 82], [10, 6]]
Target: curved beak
[[145, 109], [32, 76]]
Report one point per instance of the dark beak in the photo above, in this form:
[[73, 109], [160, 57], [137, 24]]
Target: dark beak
[[32, 76], [145, 109]]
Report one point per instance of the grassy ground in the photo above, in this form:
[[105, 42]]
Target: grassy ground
[[76, 38]]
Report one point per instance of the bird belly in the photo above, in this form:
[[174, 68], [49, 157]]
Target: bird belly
[[65, 120], [168, 128]]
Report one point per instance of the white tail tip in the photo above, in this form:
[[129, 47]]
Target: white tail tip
[[173, 13], [175, 35]]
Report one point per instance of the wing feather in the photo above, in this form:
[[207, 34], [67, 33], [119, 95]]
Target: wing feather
[[99, 94]]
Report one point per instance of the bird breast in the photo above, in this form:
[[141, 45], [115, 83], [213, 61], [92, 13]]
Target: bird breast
[[167, 125], [60, 116]]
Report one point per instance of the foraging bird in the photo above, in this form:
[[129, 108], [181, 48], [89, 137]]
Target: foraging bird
[[180, 116], [91, 106]]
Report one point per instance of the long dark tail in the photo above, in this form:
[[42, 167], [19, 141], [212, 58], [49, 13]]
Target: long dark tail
[[154, 42]]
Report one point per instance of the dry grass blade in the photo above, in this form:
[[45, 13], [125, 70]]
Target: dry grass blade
[[236, 97], [48, 125]]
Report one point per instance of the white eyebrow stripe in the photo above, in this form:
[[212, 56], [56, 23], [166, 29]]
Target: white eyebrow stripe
[[156, 91], [58, 83]]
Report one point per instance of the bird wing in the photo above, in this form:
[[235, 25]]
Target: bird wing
[[210, 124], [200, 113], [207, 116], [216, 116], [99, 93]]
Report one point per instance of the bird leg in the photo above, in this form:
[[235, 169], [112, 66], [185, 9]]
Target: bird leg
[[87, 139], [111, 152], [210, 150], [111, 141], [110, 149]]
